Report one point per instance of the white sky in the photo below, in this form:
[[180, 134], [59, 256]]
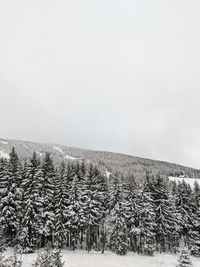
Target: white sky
[[107, 75]]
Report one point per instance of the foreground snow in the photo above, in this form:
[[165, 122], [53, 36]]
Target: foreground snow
[[81, 258]]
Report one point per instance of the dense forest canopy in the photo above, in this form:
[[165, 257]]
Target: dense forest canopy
[[75, 205]]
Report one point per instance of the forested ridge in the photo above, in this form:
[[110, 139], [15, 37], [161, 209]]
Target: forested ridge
[[74, 205], [105, 161]]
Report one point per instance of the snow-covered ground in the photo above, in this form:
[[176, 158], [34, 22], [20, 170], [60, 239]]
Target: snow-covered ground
[[68, 157], [72, 158], [109, 259], [4, 155], [39, 154], [189, 181], [108, 174], [3, 142], [58, 149]]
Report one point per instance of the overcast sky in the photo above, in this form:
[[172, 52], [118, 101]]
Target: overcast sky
[[115, 75]]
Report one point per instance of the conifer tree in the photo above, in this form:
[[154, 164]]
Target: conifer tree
[[174, 189], [194, 232], [165, 217], [3, 178], [183, 202], [196, 195], [75, 213], [119, 233], [194, 241], [80, 170], [61, 206], [11, 199], [49, 258], [76, 204], [184, 260], [131, 197], [32, 205], [147, 224], [118, 219], [47, 195], [93, 209], [115, 191]]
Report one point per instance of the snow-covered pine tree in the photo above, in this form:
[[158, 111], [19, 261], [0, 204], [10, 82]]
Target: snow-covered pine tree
[[80, 170], [60, 207], [184, 212], [5, 262], [165, 217], [118, 220], [49, 258], [174, 230], [194, 241], [102, 198], [102, 189], [194, 232], [11, 200], [3, 192], [147, 218], [174, 188], [57, 258], [92, 206], [175, 238], [119, 233], [32, 205], [16, 259], [12, 261], [184, 260], [70, 172], [114, 191], [196, 195], [47, 194], [147, 225], [75, 218], [3, 177], [131, 193]]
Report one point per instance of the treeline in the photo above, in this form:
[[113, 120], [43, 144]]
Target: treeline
[[76, 206]]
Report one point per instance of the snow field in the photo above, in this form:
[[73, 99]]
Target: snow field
[[4, 142], [81, 258], [4, 155], [68, 157], [58, 149]]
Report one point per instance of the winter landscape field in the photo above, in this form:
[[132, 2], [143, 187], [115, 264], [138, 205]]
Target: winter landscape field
[[81, 258]]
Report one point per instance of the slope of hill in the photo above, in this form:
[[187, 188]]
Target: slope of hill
[[108, 161]]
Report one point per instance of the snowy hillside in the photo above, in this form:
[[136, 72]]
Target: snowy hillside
[[109, 162]]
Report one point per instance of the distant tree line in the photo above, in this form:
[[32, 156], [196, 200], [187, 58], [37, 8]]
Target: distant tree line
[[76, 206]]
